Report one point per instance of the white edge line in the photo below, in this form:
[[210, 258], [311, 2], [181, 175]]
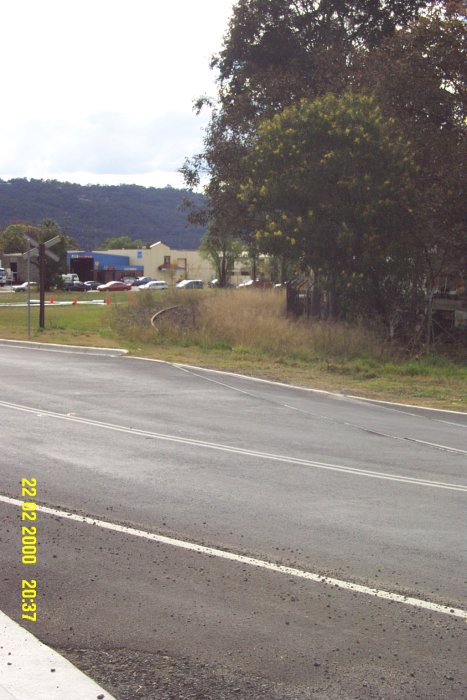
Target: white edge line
[[294, 386], [57, 347], [123, 351], [251, 561], [408, 405]]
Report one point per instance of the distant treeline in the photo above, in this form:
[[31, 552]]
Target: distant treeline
[[89, 214]]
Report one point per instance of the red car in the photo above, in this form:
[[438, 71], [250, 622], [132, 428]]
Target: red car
[[114, 286]]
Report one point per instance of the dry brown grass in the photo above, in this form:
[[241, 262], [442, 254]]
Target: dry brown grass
[[256, 320]]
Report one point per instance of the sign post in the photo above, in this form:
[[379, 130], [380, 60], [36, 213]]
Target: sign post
[[40, 249]]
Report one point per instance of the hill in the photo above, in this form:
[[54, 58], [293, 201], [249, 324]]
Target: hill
[[92, 213]]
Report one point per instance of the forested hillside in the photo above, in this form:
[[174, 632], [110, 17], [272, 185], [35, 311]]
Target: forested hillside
[[92, 213]]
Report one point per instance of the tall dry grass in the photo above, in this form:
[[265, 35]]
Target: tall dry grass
[[252, 320], [256, 319]]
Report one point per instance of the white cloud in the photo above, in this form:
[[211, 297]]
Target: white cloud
[[99, 90]]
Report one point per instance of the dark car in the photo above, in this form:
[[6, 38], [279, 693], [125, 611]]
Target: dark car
[[141, 280], [91, 285], [76, 286]]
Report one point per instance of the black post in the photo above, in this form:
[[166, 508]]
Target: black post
[[41, 285]]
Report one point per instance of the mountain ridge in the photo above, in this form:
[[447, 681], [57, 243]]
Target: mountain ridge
[[91, 213]]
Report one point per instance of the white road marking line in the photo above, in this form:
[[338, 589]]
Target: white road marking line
[[322, 417], [48, 346], [306, 388], [235, 450], [410, 405], [251, 561], [69, 349], [355, 471], [402, 438]]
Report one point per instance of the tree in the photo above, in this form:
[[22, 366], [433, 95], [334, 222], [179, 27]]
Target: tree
[[12, 239], [121, 242], [276, 52], [221, 249], [418, 77], [333, 180]]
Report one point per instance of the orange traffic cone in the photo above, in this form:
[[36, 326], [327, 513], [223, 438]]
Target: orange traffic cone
[[107, 299], [130, 297], [75, 300], [52, 299]]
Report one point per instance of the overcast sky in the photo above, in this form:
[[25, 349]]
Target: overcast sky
[[101, 91]]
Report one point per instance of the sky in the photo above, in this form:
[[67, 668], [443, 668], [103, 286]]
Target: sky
[[102, 91]]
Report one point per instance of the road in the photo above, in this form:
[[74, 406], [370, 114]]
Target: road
[[204, 535]]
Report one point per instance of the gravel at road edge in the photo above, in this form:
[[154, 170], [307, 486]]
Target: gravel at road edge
[[134, 675]]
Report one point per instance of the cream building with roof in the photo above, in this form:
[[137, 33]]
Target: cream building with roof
[[162, 262]]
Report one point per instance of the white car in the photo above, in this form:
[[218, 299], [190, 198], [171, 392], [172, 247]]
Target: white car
[[155, 284], [24, 287], [190, 284]]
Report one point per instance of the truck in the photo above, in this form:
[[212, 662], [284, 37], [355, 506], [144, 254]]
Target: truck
[[70, 278]]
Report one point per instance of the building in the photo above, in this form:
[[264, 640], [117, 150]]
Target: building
[[158, 261], [16, 266]]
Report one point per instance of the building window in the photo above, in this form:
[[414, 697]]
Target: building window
[[166, 259]]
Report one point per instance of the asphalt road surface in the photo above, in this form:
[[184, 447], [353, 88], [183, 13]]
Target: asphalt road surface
[[203, 535]]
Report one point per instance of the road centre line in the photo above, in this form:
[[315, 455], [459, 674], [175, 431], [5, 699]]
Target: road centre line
[[250, 561], [355, 471]]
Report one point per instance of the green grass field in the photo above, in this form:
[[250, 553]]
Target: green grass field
[[246, 331]]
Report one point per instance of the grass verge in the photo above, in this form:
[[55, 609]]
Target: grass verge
[[246, 331]]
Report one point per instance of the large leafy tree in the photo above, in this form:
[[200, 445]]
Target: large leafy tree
[[274, 53], [12, 239], [410, 55], [333, 180], [419, 77]]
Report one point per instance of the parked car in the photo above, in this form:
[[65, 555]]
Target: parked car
[[141, 280], [255, 284], [114, 286], [155, 284], [215, 283], [91, 285], [24, 287], [75, 286], [190, 284], [128, 280]]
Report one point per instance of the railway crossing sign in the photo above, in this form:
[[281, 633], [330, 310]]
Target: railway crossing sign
[[40, 250]]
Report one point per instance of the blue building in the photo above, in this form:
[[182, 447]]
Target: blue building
[[92, 265]]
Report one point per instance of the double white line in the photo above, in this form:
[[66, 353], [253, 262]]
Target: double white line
[[135, 432]]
